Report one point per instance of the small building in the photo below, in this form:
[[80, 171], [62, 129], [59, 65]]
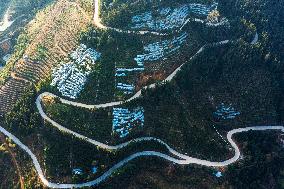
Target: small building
[[70, 78], [94, 170], [77, 171], [125, 120], [6, 57], [225, 112], [218, 174], [26, 58]]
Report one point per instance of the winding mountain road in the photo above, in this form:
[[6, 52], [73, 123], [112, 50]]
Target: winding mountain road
[[186, 159], [97, 22], [183, 159]]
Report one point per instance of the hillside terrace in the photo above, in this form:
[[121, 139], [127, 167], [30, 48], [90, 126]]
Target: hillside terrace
[[56, 29], [82, 54], [126, 88], [124, 120], [168, 18], [226, 112], [70, 78], [158, 50]]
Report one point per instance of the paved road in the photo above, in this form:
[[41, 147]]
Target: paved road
[[183, 159], [186, 159]]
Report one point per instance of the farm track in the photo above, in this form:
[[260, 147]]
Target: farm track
[[10, 92]]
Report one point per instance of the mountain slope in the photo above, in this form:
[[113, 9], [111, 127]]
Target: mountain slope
[[50, 36]]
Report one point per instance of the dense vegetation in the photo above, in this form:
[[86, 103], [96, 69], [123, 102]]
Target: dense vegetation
[[190, 101], [60, 153], [7, 168], [261, 167], [119, 50], [267, 18], [249, 77], [263, 163], [119, 13]]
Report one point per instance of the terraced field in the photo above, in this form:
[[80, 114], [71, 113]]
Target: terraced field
[[10, 93], [53, 37], [53, 34]]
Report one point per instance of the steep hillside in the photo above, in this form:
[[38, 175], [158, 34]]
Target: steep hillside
[[15, 14], [267, 18], [160, 94], [48, 39]]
